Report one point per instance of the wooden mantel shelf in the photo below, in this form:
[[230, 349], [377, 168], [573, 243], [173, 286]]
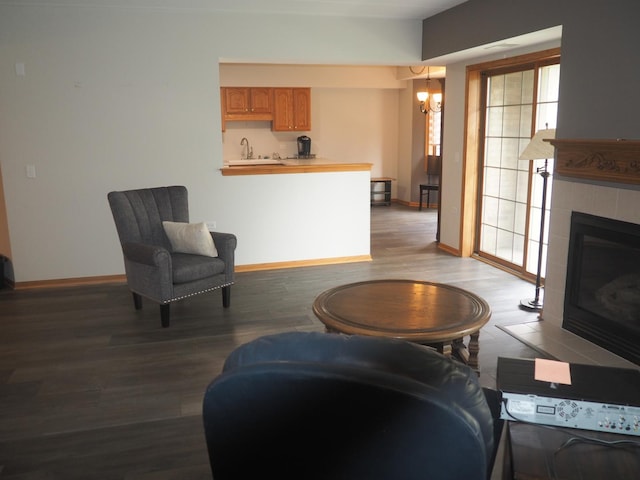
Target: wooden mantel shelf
[[615, 161]]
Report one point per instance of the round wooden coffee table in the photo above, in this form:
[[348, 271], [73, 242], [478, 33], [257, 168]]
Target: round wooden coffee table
[[434, 314]]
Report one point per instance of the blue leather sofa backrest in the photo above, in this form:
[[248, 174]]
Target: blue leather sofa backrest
[[328, 406]]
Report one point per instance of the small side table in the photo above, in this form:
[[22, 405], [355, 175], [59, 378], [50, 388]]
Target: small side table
[[386, 192], [428, 187]]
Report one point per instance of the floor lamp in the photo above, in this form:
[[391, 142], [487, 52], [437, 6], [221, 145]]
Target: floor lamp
[[538, 149]]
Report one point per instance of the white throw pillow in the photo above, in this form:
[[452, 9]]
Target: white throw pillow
[[192, 238]]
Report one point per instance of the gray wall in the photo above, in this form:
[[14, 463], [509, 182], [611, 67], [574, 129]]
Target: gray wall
[[599, 98], [599, 95]]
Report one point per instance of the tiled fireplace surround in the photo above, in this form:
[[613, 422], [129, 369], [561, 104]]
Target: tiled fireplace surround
[[578, 189]]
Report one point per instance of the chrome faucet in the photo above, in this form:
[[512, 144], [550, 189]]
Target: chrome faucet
[[249, 152]]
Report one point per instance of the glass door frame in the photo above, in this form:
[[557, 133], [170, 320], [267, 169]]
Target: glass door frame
[[472, 142], [524, 269]]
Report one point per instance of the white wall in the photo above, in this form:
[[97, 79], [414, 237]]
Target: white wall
[[265, 231], [402, 188], [126, 98], [452, 155], [320, 76]]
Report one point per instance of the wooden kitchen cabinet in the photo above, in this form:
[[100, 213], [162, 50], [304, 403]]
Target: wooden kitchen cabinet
[[247, 103], [291, 109]]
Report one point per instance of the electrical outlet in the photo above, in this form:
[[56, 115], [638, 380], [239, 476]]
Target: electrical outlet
[[211, 226]]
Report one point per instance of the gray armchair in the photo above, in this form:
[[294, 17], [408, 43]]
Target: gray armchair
[[153, 269]]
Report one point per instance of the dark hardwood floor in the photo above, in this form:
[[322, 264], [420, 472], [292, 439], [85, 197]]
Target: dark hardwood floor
[[92, 389]]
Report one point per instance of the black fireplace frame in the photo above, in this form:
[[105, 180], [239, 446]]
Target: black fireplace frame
[[605, 332]]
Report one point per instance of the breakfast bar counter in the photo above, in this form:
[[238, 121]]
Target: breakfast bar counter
[[292, 165], [303, 211]]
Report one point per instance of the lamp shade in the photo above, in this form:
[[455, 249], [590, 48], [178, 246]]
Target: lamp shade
[[537, 148], [433, 164]]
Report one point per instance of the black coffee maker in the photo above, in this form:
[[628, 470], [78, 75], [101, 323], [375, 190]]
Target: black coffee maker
[[304, 147]]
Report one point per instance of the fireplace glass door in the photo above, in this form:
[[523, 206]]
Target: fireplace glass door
[[602, 295]]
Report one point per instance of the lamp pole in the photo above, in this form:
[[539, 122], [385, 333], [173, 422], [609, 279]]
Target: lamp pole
[[536, 304]]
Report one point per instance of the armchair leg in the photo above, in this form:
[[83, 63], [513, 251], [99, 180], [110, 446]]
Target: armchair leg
[[137, 301], [165, 311], [226, 296]]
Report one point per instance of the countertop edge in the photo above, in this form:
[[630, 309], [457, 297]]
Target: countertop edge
[[280, 169]]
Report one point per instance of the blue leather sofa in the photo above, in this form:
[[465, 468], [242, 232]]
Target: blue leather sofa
[[329, 406]]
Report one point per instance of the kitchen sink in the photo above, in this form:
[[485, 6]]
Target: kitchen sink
[[254, 162]]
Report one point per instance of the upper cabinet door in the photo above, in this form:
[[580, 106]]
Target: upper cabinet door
[[302, 109], [292, 109], [261, 100], [237, 100], [282, 109]]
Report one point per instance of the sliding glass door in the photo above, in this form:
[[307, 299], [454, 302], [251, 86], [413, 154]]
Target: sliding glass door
[[517, 103]]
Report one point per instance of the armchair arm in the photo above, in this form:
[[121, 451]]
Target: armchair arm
[[226, 245], [151, 255], [149, 270]]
